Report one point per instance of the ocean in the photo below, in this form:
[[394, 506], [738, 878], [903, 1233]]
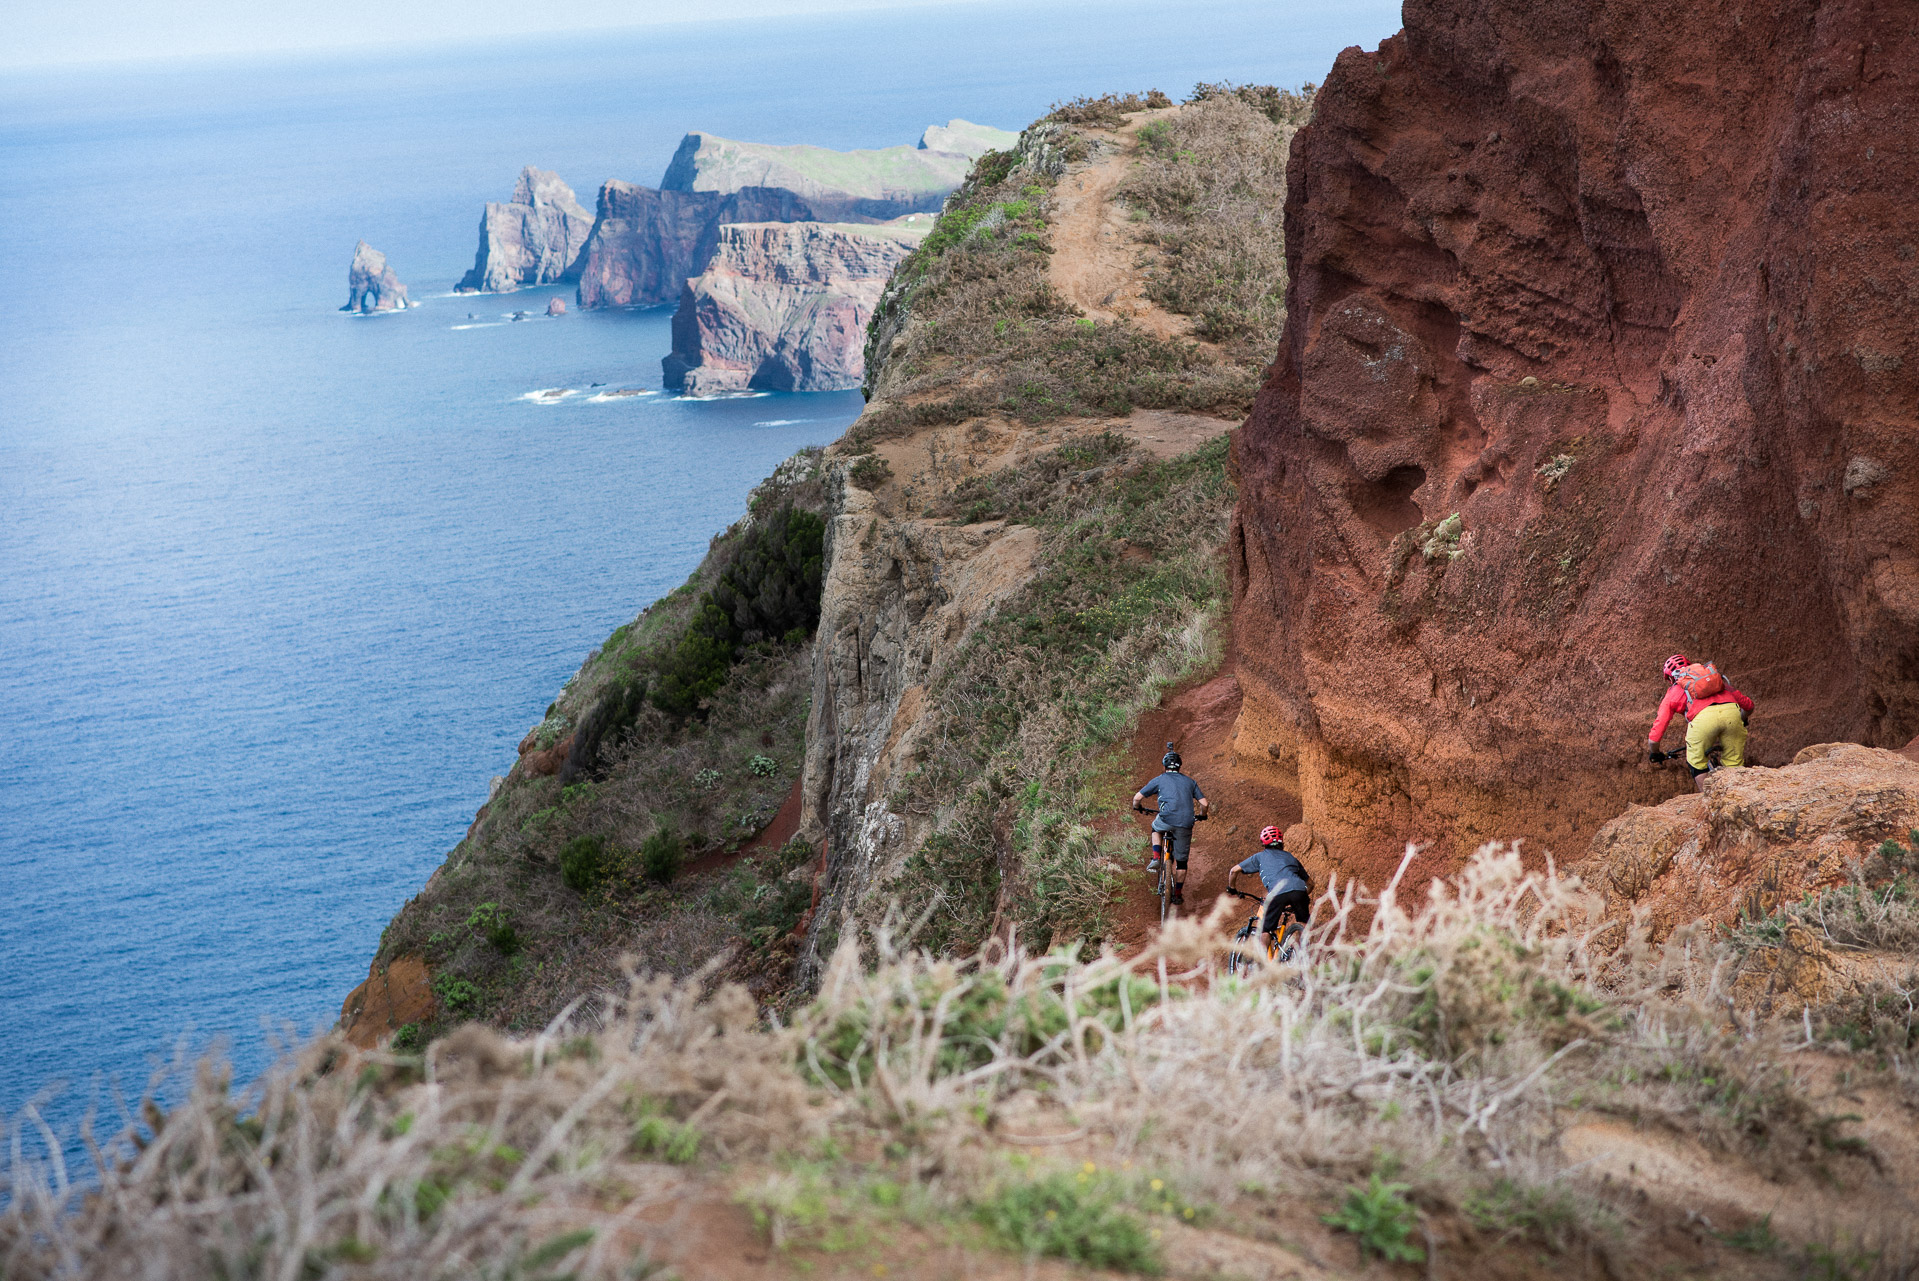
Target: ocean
[[281, 588]]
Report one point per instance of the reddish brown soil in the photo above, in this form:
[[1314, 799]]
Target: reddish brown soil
[[1628, 304], [771, 837], [392, 997]]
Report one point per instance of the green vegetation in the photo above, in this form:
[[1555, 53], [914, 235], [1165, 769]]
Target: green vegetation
[[869, 471], [682, 737], [770, 592], [1382, 1220], [1081, 1218], [1125, 602]]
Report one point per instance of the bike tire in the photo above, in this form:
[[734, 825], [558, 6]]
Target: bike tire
[[1165, 889], [1237, 962], [1288, 946]]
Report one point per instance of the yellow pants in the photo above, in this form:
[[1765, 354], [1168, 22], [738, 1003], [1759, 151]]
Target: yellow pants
[[1722, 724]]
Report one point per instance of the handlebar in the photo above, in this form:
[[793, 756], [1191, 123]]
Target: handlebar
[[1239, 893]]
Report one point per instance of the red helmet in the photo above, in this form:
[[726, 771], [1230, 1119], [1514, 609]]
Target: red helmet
[[1673, 665], [1271, 836]]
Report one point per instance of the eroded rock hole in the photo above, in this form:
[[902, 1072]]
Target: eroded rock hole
[[1387, 504]]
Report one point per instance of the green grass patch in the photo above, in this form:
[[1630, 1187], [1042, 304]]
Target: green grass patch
[[1081, 1218]]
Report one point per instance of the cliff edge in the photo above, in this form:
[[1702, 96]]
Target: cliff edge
[[1599, 347]]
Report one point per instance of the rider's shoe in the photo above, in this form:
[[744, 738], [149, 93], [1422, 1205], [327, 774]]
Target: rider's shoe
[[1179, 896], [1154, 864]]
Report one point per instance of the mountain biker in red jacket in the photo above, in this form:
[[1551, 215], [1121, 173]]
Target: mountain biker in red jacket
[[1719, 717]]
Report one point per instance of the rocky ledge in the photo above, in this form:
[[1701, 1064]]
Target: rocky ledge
[[784, 306], [371, 284], [1756, 838], [535, 239]]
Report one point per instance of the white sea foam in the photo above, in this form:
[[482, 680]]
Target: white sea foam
[[619, 393], [727, 395], [785, 422], [550, 395]]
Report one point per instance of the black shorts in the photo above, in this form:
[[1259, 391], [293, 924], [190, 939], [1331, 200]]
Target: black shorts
[[1180, 841], [1299, 903]]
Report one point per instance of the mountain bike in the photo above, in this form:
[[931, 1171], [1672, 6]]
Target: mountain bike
[[1279, 950], [1163, 888]]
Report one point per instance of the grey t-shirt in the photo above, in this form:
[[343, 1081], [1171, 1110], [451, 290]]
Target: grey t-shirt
[[1176, 795], [1279, 871]]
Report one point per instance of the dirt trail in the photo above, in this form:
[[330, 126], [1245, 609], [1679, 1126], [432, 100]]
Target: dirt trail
[[1099, 261], [1198, 718]]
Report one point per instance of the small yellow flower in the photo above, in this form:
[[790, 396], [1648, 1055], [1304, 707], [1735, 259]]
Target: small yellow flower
[[1189, 1211], [879, 1269], [1051, 1215], [1157, 1185], [1089, 1168], [1168, 1207], [1157, 1234]]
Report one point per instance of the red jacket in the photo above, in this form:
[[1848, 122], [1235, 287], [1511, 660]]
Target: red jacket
[[1675, 701]]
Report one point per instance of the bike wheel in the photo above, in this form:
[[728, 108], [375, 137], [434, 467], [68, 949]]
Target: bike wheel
[[1165, 891], [1237, 962], [1288, 947]]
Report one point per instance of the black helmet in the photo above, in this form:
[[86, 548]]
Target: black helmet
[[1170, 760]]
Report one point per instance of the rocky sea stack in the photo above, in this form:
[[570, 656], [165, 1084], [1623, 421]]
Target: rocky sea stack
[[371, 284], [537, 238]]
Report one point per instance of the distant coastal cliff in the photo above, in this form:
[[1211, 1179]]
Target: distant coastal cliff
[[762, 309], [784, 306], [537, 238], [648, 242]]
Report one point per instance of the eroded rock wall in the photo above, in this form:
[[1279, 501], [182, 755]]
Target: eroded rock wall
[[536, 238], [646, 244], [1600, 346], [784, 307]]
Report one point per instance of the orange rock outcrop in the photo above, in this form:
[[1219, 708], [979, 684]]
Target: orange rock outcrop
[[1602, 342]]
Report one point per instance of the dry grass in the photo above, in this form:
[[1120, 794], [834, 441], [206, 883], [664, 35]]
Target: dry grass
[[1108, 110], [970, 325], [1440, 1047], [1211, 185]]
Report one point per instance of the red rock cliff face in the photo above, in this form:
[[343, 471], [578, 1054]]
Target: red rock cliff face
[[1632, 292]]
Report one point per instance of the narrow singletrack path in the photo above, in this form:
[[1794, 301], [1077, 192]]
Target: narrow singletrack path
[[1198, 717]]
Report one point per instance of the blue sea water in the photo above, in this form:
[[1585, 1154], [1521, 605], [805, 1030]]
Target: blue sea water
[[281, 588]]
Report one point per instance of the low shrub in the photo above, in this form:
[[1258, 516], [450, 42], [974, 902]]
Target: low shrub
[[493, 924], [1381, 1219], [869, 471], [1106, 111], [661, 855], [770, 593], [458, 997], [584, 863], [1080, 1219]]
